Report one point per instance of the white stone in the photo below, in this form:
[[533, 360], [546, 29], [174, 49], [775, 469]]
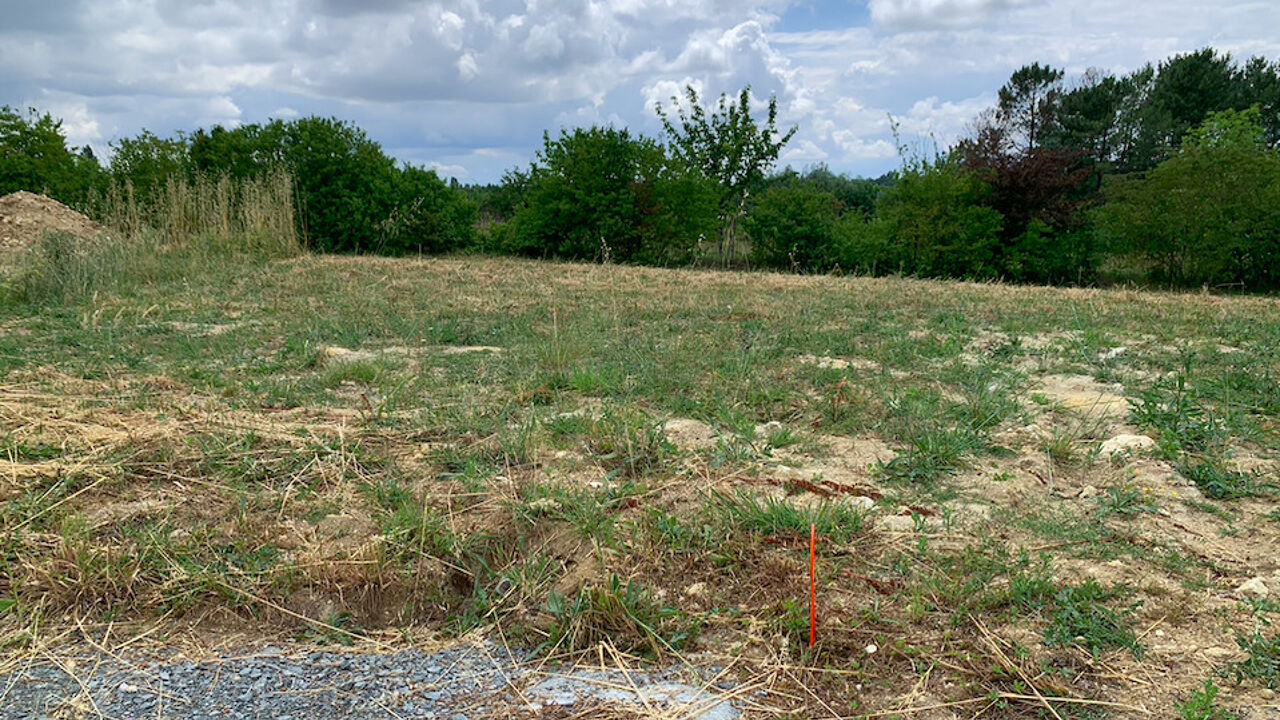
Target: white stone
[[1253, 588], [862, 502], [1126, 445], [1113, 353]]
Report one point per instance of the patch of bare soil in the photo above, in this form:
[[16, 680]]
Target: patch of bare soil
[[690, 435], [25, 216], [1084, 395]]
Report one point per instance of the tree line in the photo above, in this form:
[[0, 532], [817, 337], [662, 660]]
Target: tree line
[[1169, 175]]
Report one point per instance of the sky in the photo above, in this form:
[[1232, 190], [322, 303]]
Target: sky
[[469, 86]]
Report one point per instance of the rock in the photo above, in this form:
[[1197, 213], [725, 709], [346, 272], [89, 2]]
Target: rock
[[1254, 588], [1125, 444], [770, 428], [697, 589], [862, 502], [1086, 492], [1113, 353]]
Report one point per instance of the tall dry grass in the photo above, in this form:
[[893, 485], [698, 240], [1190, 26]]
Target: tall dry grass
[[191, 226]]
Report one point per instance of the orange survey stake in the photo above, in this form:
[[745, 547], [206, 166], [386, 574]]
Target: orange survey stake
[[813, 584]]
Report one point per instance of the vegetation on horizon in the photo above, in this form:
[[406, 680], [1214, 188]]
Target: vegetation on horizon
[[1168, 175]]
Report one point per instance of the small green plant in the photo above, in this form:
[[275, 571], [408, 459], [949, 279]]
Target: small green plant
[[1081, 617], [793, 621], [1126, 501], [623, 614], [1061, 448], [591, 513], [414, 529], [1201, 705], [1194, 439], [628, 444], [364, 372], [1175, 413], [1219, 482], [773, 516], [672, 532], [932, 454], [1263, 663], [330, 633]]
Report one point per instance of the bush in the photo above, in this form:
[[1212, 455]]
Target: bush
[[934, 224], [351, 196], [1209, 215], [794, 227], [600, 194], [34, 156]]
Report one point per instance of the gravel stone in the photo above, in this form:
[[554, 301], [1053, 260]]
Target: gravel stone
[[276, 684]]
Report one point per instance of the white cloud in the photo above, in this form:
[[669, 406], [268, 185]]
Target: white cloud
[[933, 14], [467, 67], [78, 123]]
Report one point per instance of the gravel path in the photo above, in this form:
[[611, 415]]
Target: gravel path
[[463, 683]]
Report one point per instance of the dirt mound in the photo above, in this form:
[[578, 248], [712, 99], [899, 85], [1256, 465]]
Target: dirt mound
[[25, 216]]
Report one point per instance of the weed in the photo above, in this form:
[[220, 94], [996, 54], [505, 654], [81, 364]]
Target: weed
[[413, 527], [591, 513], [625, 615], [629, 445], [329, 633], [206, 223], [1179, 419], [365, 372], [1082, 618], [1263, 663], [1220, 482], [1201, 705], [932, 454], [1124, 501], [670, 531], [1061, 448], [772, 516]]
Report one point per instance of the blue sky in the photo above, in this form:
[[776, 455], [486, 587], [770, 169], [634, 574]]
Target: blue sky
[[469, 86]]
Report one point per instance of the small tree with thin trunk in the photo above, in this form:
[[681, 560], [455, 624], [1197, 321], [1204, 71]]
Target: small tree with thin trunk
[[729, 147]]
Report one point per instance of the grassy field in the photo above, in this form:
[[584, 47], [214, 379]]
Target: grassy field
[[1030, 502]]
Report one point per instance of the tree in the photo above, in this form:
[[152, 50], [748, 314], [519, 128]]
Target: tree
[[1210, 214], [855, 194], [427, 216], [729, 148], [34, 156], [934, 223], [1038, 192], [146, 162], [600, 194], [1029, 101], [1261, 80], [793, 226]]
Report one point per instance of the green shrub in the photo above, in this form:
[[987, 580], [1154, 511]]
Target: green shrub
[[794, 227], [934, 223], [601, 194], [1209, 215]]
